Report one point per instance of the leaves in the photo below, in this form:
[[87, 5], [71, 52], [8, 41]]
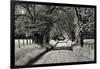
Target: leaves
[[58, 20]]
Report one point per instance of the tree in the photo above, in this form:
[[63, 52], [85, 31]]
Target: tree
[[36, 21], [42, 22], [85, 22], [65, 21]]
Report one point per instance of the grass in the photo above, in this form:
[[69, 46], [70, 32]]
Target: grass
[[87, 50], [29, 52], [25, 53]]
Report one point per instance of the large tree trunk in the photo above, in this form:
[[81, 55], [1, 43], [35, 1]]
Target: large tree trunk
[[36, 38], [44, 39], [78, 29], [80, 39], [47, 38], [41, 39]]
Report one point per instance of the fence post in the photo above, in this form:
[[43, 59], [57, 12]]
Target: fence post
[[23, 42], [19, 43], [27, 41]]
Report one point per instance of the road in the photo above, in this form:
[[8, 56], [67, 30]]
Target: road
[[60, 56], [61, 53]]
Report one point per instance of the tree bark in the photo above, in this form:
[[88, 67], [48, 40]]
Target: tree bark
[[77, 31], [47, 38], [81, 41], [41, 39]]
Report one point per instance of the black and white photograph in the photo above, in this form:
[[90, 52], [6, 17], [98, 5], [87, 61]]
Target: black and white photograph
[[44, 34]]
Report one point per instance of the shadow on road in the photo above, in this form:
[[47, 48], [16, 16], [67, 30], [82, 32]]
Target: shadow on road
[[62, 48], [31, 61]]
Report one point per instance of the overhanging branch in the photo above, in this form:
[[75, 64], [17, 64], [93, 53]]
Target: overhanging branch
[[16, 16]]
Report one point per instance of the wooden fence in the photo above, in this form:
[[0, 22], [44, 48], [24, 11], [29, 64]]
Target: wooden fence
[[23, 42]]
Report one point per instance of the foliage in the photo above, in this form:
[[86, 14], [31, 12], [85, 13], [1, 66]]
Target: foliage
[[85, 21], [53, 20]]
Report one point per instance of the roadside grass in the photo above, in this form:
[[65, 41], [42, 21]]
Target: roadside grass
[[87, 51], [27, 52]]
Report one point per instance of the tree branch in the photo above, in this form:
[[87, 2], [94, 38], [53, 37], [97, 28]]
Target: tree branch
[[29, 11], [51, 10], [16, 16], [26, 7]]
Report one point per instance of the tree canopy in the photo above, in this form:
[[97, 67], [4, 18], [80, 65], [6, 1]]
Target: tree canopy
[[57, 20]]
